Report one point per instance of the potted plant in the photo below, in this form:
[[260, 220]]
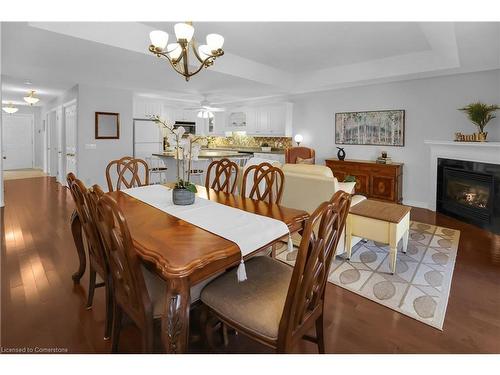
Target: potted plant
[[480, 114], [186, 149], [265, 147]]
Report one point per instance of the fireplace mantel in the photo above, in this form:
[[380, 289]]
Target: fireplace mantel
[[483, 152]]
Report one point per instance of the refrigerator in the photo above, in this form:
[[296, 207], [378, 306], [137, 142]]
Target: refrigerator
[[148, 138]]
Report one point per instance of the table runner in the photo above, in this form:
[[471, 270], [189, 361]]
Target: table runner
[[247, 230]]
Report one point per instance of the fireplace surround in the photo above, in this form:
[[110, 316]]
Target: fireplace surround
[[469, 191]]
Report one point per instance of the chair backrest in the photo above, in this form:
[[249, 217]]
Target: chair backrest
[[266, 183], [129, 287], [304, 301], [128, 171], [84, 208], [225, 175], [292, 153]]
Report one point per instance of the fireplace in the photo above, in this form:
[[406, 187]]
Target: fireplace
[[469, 191]]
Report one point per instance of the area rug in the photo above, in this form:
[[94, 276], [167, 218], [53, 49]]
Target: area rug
[[421, 285]]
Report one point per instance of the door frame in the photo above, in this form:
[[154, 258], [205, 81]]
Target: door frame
[[25, 115], [64, 106]]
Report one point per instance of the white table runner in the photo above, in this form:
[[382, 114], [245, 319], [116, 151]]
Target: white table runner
[[247, 230]]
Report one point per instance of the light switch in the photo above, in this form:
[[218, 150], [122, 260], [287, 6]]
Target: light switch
[[90, 146]]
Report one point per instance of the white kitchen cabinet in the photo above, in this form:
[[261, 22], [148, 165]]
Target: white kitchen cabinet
[[269, 156], [146, 108], [272, 120]]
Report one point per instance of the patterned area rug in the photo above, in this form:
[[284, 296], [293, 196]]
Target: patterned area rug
[[421, 285]]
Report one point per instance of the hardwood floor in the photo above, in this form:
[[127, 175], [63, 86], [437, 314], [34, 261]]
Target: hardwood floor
[[42, 309]]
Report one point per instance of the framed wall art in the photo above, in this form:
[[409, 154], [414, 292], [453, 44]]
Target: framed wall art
[[379, 128]]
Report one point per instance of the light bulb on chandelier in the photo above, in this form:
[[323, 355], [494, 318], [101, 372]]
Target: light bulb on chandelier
[[179, 54]]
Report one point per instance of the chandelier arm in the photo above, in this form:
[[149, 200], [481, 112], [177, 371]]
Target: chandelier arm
[[196, 54], [202, 65]]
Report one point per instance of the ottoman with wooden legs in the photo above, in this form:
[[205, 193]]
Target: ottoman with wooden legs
[[381, 222]]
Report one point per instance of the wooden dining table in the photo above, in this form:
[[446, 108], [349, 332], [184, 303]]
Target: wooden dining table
[[183, 254]]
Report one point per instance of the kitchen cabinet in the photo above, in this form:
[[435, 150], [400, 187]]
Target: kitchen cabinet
[[146, 108], [269, 120]]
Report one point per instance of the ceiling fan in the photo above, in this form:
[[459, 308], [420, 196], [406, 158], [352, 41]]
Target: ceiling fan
[[205, 110]]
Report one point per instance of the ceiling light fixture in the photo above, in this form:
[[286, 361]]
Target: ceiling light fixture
[[10, 109], [178, 53], [31, 99], [205, 114]]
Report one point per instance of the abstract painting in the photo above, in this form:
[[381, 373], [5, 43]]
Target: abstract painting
[[381, 128]]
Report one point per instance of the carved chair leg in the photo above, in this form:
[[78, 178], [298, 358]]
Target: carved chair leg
[[117, 326], [109, 310], [320, 335], [225, 338], [148, 338], [76, 231], [175, 319], [92, 277]]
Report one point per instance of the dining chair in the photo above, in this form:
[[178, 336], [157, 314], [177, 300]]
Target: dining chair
[[225, 171], [98, 264], [278, 305], [263, 182], [136, 291], [128, 172]]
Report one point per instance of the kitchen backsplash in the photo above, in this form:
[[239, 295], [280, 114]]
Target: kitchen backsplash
[[249, 141]]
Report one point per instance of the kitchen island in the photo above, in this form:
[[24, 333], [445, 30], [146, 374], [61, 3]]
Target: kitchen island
[[207, 155]]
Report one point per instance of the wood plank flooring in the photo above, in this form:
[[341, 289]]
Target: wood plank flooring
[[40, 307]]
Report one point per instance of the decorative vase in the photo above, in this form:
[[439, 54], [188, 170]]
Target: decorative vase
[[482, 136], [182, 197], [341, 153]]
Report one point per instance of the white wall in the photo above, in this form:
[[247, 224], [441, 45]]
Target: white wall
[[92, 162], [431, 113]]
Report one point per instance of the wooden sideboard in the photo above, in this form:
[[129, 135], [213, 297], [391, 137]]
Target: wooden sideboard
[[376, 181]]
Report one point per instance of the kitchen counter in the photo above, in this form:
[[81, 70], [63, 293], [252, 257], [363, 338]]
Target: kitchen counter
[[209, 154], [248, 150]]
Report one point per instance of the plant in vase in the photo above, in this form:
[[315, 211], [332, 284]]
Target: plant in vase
[[480, 114], [186, 149]]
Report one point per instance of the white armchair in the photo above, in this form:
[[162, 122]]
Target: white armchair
[[307, 186]]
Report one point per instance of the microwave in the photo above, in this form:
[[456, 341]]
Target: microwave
[[188, 125]]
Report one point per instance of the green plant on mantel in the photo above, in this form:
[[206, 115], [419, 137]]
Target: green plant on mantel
[[480, 114]]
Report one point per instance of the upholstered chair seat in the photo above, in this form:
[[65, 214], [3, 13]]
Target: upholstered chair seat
[[256, 304]]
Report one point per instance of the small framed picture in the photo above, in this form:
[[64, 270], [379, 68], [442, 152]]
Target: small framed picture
[[107, 125]]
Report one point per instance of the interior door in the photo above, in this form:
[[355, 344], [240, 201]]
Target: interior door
[[61, 149], [17, 141], [70, 128], [52, 136]]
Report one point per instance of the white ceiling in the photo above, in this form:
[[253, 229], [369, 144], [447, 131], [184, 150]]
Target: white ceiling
[[262, 59], [300, 47]]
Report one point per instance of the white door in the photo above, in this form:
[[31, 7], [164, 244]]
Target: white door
[[52, 147], [17, 141], [70, 127], [61, 149]]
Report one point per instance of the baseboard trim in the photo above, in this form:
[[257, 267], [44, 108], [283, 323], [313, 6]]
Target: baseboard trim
[[416, 204]]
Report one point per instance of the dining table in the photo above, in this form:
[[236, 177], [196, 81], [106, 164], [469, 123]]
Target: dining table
[[183, 254]]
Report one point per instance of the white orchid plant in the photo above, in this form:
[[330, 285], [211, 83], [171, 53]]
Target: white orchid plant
[[186, 149]]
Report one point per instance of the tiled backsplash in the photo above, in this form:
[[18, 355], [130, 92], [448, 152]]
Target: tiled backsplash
[[249, 141]]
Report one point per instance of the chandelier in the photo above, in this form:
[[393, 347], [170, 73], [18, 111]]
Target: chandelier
[[178, 53], [10, 108], [31, 99]]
